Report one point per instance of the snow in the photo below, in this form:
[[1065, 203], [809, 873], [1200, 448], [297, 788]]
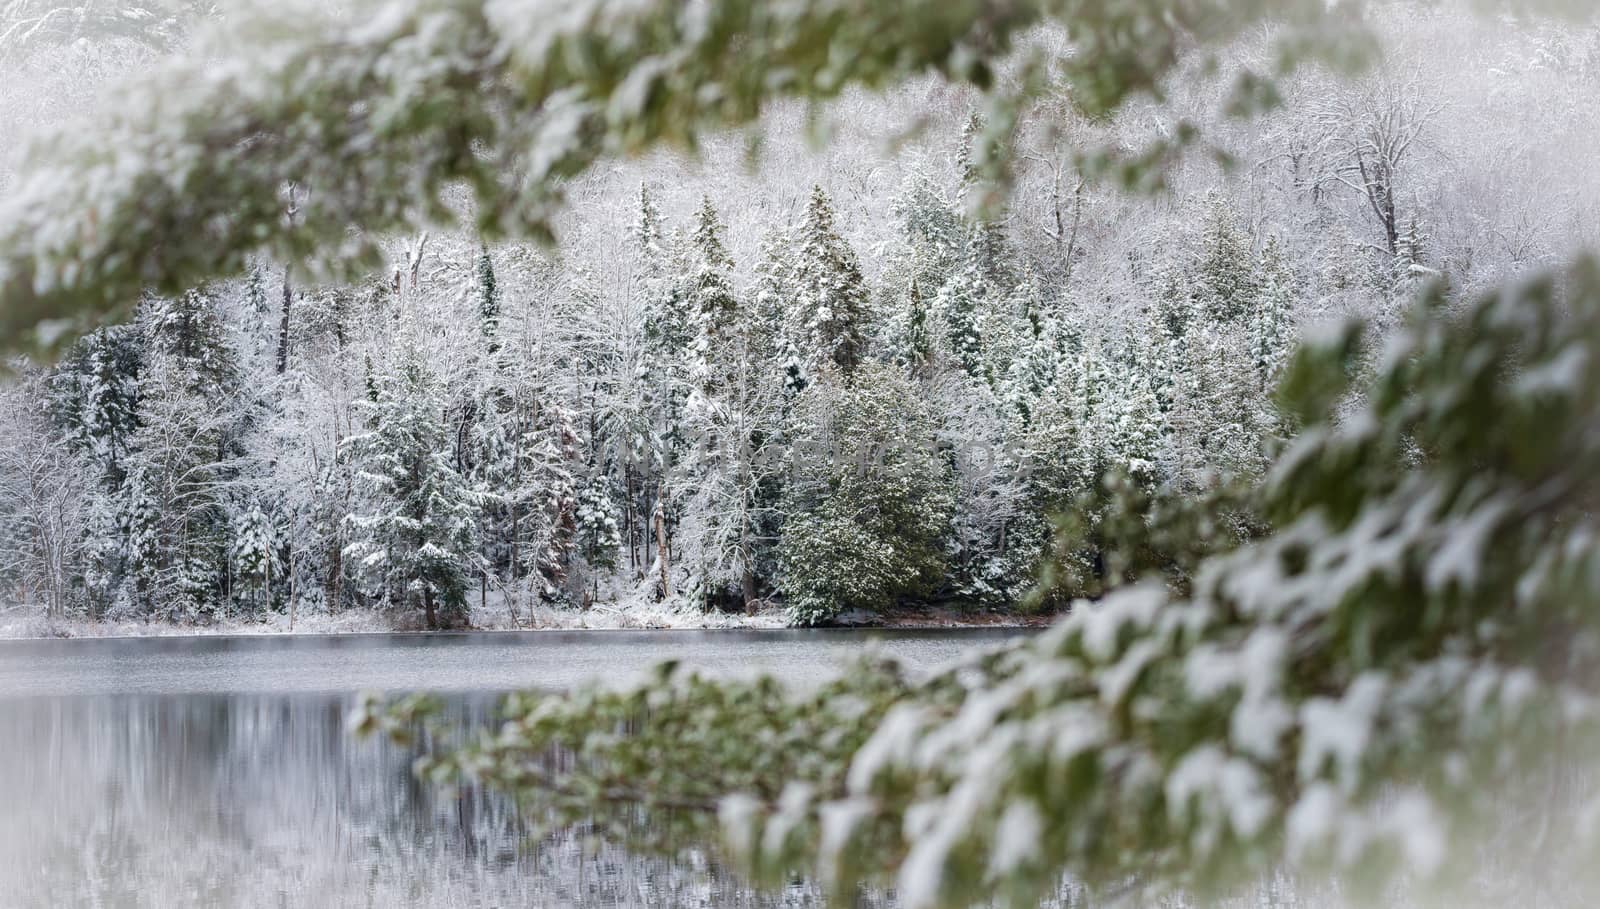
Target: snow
[[30, 622], [1462, 556], [1336, 732], [1103, 623], [1208, 787], [1018, 837], [891, 744], [839, 822]]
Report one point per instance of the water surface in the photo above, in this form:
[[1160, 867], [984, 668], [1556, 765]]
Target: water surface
[[217, 771]]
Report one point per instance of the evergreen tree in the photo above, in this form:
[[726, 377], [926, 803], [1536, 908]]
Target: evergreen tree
[[524, 468], [415, 531], [774, 333], [830, 317], [869, 502], [256, 289], [1008, 329], [254, 552], [488, 299], [980, 149], [933, 229], [1222, 275], [910, 339], [598, 538], [189, 329], [710, 301], [649, 237], [94, 397], [1270, 332], [961, 304]]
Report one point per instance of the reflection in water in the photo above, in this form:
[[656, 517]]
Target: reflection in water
[[258, 800], [247, 800], [218, 772]]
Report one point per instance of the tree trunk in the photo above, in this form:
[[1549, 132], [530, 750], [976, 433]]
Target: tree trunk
[[292, 591], [627, 516], [428, 610], [283, 324], [520, 423], [747, 585], [663, 555]]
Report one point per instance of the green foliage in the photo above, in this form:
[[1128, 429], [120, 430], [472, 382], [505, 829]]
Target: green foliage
[[548, 747], [1121, 531], [415, 534], [868, 503]]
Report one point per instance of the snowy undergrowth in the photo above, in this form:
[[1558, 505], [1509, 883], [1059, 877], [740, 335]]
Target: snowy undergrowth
[[30, 622]]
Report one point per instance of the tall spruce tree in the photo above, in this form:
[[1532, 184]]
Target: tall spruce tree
[[962, 301], [488, 289], [1222, 275], [415, 528], [710, 302], [830, 315]]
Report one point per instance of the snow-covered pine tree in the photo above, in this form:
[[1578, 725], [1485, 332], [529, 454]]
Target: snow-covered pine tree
[[982, 147], [1222, 274], [255, 557], [869, 501], [830, 317], [648, 235], [710, 303], [964, 304], [933, 228], [488, 293], [1017, 351], [598, 538], [669, 321], [775, 337], [670, 327], [94, 397], [908, 336], [1271, 332], [527, 459], [414, 529]]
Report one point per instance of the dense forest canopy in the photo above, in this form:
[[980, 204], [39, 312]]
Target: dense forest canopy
[[1254, 330]]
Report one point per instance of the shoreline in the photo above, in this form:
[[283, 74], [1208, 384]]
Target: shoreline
[[33, 626]]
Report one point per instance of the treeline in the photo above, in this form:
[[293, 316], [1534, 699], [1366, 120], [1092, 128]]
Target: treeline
[[804, 440], [824, 385]]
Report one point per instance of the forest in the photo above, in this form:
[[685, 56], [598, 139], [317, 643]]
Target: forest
[[813, 383], [1254, 343]]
